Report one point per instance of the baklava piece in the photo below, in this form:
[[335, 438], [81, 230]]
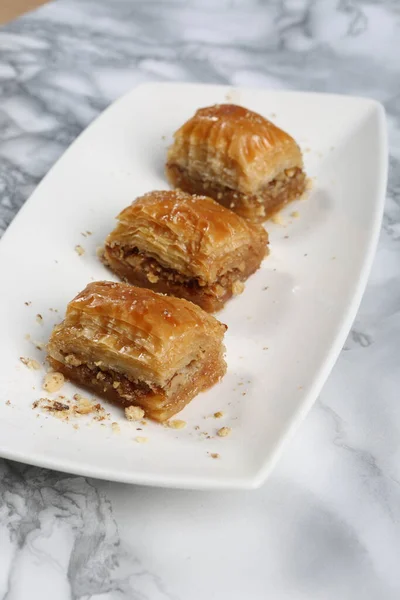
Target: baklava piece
[[138, 348], [238, 158], [186, 246]]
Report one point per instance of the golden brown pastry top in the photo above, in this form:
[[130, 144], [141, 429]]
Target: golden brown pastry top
[[235, 147], [134, 330], [192, 234]]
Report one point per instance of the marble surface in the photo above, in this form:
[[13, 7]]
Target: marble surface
[[327, 523]]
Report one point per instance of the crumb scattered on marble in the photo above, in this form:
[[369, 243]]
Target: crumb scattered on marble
[[141, 440], [79, 250], [176, 424], [265, 348], [196, 427], [53, 382], [219, 414], [134, 413], [39, 318], [31, 363], [28, 303], [224, 431], [214, 455]]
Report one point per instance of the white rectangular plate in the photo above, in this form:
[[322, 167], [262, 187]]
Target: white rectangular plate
[[285, 330]]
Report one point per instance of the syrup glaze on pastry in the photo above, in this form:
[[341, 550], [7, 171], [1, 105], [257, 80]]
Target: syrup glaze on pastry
[[187, 246], [138, 348], [239, 158]]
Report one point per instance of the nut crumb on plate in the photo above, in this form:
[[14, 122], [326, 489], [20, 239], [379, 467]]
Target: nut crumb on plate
[[218, 414], [84, 406], [39, 318], [295, 214], [224, 431], [176, 424], [134, 413], [277, 219], [31, 363], [141, 440], [115, 427], [53, 382], [214, 455], [79, 250]]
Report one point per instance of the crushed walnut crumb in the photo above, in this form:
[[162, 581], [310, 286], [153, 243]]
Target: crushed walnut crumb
[[152, 277], [214, 455], [141, 440], [134, 413], [79, 250], [219, 414], [277, 219], [31, 363], [39, 345], [39, 319], [115, 427], [28, 303], [177, 424], [224, 431], [53, 382], [84, 406]]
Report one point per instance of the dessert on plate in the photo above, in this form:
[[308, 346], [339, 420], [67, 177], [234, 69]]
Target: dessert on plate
[[187, 246], [239, 158], [138, 348]]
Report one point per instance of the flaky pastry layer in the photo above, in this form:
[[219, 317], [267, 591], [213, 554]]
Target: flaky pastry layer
[[144, 336]]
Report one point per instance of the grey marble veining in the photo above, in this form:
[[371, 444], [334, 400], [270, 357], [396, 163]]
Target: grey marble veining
[[327, 523]]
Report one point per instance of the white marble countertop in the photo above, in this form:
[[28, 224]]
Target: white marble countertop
[[326, 525]]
